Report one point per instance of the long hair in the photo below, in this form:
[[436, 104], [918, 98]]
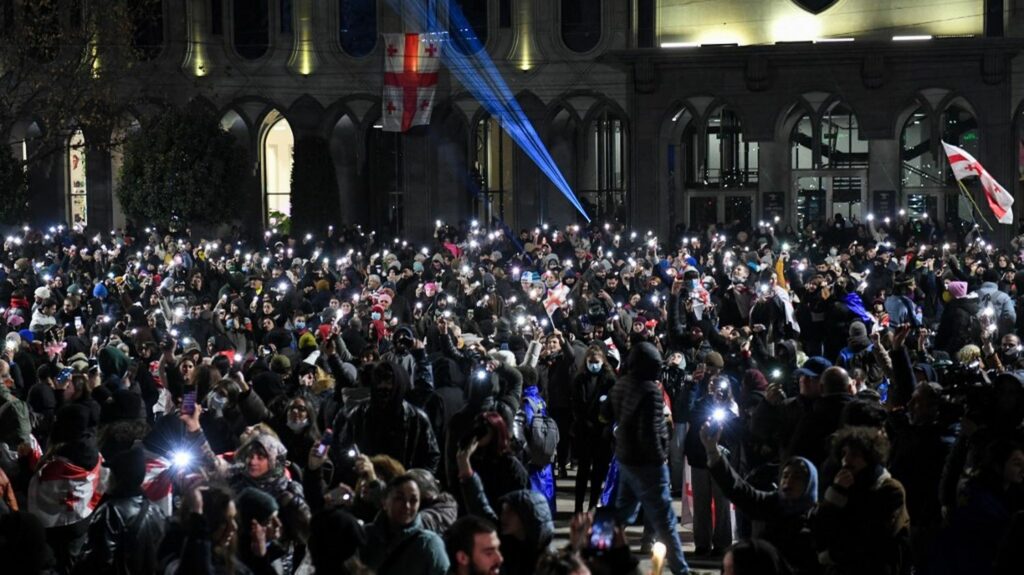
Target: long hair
[[595, 351], [500, 442]]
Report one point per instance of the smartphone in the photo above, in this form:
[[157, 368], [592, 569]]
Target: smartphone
[[353, 451], [78, 323], [188, 403], [602, 530], [325, 443]]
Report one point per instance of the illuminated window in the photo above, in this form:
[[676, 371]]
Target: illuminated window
[[841, 146], [77, 193], [604, 173], [729, 160], [469, 31], [494, 172], [801, 144], [924, 163], [278, 142], [581, 24], [148, 24], [357, 26], [251, 28]]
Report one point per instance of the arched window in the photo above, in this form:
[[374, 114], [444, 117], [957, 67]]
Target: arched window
[[467, 24], [604, 175], [841, 146], [917, 155], [926, 178], [496, 176], [278, 142], [959, 127], [729, 161], [148, 28], [78, 197], [581, 24], [801, 144], [357, 26], [251, 28]]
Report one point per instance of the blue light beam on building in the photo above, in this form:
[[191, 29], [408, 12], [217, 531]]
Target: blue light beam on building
[[478, 73]]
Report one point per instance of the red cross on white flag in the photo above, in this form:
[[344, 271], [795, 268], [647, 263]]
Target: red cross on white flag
[[965, 166], [410, 79]]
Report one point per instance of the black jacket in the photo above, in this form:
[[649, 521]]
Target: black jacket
[[958, 325], [637, 405], [120, 540]]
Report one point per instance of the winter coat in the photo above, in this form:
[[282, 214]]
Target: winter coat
[[409, 550], [1002, 304], [642, 435], [786, 523], [293, 509], [958, 326], [812, 436], [863, 529], [120, 540], [405, 436], [542, 479]]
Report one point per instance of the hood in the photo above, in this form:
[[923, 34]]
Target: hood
[[810, 496], [535, 514], [113, 361], [928, 370], [644, 362]]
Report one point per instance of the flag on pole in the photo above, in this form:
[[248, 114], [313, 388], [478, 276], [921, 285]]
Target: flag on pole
[[410, 80], [965, 166]]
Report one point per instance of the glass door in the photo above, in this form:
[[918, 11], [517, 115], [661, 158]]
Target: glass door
[[821, 196]]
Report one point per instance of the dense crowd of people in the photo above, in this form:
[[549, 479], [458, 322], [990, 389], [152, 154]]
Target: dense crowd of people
[[838, 401]]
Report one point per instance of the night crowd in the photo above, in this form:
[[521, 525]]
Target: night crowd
[[847, 400]]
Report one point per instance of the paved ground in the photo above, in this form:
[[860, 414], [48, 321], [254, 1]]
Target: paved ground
[[565, 503]]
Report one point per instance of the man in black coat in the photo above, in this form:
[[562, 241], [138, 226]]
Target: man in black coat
[[641, 446]]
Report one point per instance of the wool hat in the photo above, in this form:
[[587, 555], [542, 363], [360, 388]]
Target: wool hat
[[280, 364], [714, 359], [858, 329], [255, 504], [307, 341], [957, 289]]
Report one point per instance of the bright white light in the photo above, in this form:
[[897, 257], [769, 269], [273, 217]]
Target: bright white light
[[680, 45], [181, 458], [718, 415], [912, 38]]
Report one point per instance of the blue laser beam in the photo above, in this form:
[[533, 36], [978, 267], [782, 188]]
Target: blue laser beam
[[478, 73]]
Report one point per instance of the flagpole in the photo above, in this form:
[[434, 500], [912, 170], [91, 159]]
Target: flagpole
[[970, 198]]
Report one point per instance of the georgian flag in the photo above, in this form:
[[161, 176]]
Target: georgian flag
[[62, 493], [410, 79], [555, 298], [965, 166], [158, 485]]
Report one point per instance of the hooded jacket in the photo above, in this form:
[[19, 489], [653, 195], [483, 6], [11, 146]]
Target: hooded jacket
[[401, 431], [641, 437], [785, 522]]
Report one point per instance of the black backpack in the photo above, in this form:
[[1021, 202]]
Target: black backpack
[[539, 439]]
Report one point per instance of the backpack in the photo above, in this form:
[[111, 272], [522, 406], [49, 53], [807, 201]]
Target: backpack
[[539, 439]]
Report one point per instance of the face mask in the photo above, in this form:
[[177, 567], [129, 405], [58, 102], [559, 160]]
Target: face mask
[[300, 325], [297, 426], [694, 284], [594, 367], [375, 316], [217, 402]]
